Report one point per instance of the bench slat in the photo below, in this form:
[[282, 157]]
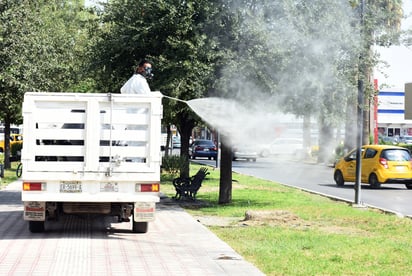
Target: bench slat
[[188, 187]]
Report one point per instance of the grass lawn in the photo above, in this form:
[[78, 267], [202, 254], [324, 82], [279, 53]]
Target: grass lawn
[[291, 232], [9, 175]]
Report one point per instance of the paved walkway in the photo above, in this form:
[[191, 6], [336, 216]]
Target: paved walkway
[[176, 244]]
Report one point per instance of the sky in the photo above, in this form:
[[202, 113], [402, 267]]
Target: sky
[[89, 3], [399, 58]]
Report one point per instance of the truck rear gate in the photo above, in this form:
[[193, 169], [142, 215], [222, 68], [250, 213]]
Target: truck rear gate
[[91, 153]]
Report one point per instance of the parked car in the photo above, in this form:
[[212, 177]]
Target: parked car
[[405, 140], [14, 139], [388, 140], [244, 152], [203, 148], [284, 146], [379, 164]]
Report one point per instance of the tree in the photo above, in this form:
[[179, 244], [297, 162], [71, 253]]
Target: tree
[[379, 24], [170, 34], [39, 50]]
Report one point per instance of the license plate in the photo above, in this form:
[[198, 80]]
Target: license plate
[[206, 149], [400, 168], [109, 187], [70, 187]]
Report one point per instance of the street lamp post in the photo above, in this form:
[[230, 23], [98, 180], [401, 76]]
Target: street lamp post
[[359, 144], [360, 113]]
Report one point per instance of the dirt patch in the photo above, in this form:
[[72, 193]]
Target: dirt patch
[[277, 218], [273, 218], [255, 218]]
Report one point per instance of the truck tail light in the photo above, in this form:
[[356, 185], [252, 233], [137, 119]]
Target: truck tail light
[[154, 187], [33, 186]]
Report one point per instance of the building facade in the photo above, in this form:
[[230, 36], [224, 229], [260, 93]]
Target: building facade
[[390, 110]]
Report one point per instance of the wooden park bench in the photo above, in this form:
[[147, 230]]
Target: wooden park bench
[[188, 187]]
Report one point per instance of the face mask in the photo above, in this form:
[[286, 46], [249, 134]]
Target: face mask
[[148, 73]]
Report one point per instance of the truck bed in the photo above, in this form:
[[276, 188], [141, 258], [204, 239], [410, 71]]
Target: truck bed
[[102, 146]]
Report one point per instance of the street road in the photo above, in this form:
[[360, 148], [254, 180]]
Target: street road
[[319, 178]]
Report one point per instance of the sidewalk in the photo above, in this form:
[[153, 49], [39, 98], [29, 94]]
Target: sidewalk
[[176, 244]]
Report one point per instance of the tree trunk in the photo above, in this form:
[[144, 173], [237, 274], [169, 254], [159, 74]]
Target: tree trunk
[[7, 151], [307, 136], [326, 141], [168, 139], [350, 126], [185, 128], [366, 123], [225, 185]]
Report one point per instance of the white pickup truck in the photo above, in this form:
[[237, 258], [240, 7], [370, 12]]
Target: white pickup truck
[[90, 153]]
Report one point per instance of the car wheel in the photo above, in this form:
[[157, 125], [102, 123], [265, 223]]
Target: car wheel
[[373, 181], [339, 179], [408, 186]]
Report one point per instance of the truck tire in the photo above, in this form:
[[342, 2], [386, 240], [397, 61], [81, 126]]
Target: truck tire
[[140, 226], [36, 226]]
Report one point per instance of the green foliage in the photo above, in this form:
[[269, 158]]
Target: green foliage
[[16, 149], [42, 46], [408, 146], [171, 164]]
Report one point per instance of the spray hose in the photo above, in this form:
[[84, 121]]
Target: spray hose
[[176, 99]]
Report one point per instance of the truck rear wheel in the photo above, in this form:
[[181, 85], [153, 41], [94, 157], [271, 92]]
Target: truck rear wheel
[[140, 226], [36, 226]]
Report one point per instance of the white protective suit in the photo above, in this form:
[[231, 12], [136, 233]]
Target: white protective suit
[[137, 84]]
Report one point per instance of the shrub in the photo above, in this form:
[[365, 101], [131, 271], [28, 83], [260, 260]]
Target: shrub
[[15, 150], [172, 163]]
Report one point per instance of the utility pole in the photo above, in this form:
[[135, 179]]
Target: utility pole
[[360, 110]]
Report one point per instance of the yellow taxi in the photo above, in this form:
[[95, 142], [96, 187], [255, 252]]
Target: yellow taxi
[[14, 139], [380, 164]]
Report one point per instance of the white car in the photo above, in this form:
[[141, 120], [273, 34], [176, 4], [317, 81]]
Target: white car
[[284, 146], [244, 152], [406, 140]]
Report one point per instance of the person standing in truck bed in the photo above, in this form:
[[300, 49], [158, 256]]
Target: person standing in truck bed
[[137, 84]]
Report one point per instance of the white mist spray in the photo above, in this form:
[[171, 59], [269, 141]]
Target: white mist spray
[[316, 40]]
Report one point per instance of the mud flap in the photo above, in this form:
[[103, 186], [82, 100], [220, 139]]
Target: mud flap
[[144, 211], [35, 210]]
